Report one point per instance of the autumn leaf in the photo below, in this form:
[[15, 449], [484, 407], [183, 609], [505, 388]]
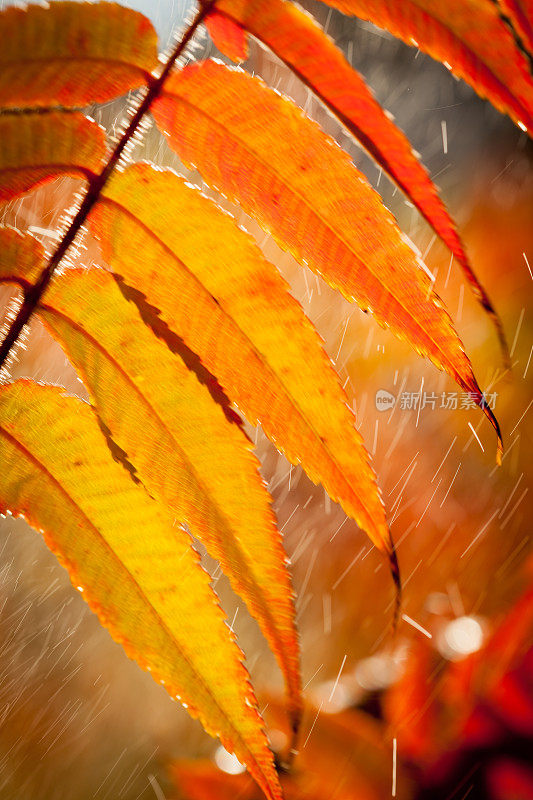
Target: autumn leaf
[[214, 289], [348, 750], [72, 54], [201, 780], [36, 148], [295, 38], [411, 708], [185, 452], [138, 571], [199, 281], [176, 344], [155, 83], [228, 35], [431, 708], [344, 755], [21, 258], [467, 36], [481, 672], [259, 150], [520, 15]]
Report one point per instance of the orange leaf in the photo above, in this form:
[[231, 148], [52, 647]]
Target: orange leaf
[[227, 35], [38, 147], [259, 150], [184, 450], [22, 257], [412, 706], [176, 344], [295, 38], [468, 36], [138, 571], [72, 54], [202, 780], [346, 755], [214, 289]]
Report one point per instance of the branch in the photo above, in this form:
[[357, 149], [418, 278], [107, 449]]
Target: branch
[[33, 295]]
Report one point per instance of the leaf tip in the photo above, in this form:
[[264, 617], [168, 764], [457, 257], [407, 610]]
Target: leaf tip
[[397, 578], [495, 424], [498, 325]]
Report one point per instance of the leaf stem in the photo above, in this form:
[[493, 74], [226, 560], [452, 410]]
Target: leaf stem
[[33, 295]]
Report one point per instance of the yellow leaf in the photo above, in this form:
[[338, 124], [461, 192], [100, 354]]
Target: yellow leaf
[[137, 571], [214, 289], [259, 150], [183, 448], [72, 54], [38, 147]]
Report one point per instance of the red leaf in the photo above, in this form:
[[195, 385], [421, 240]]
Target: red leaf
[[467, 36], [520, 15]]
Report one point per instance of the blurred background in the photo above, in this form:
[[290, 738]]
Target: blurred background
[[79, 720]]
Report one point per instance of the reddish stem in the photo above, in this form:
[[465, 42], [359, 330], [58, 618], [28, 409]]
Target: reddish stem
[[33, 295]]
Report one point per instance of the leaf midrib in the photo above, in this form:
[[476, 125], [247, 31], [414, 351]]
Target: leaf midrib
[[16, 62], [87, 172]]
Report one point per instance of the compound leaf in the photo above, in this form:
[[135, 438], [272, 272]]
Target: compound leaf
[[259, 150], [137, 570], [295, 38], [214, 289], [183, 448]]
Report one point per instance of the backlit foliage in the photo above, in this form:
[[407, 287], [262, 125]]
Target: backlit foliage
[[183, 324]]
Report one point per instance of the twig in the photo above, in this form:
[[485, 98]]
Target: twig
[[33, 295]]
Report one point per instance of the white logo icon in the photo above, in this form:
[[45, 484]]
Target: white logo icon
[[384, 400]]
